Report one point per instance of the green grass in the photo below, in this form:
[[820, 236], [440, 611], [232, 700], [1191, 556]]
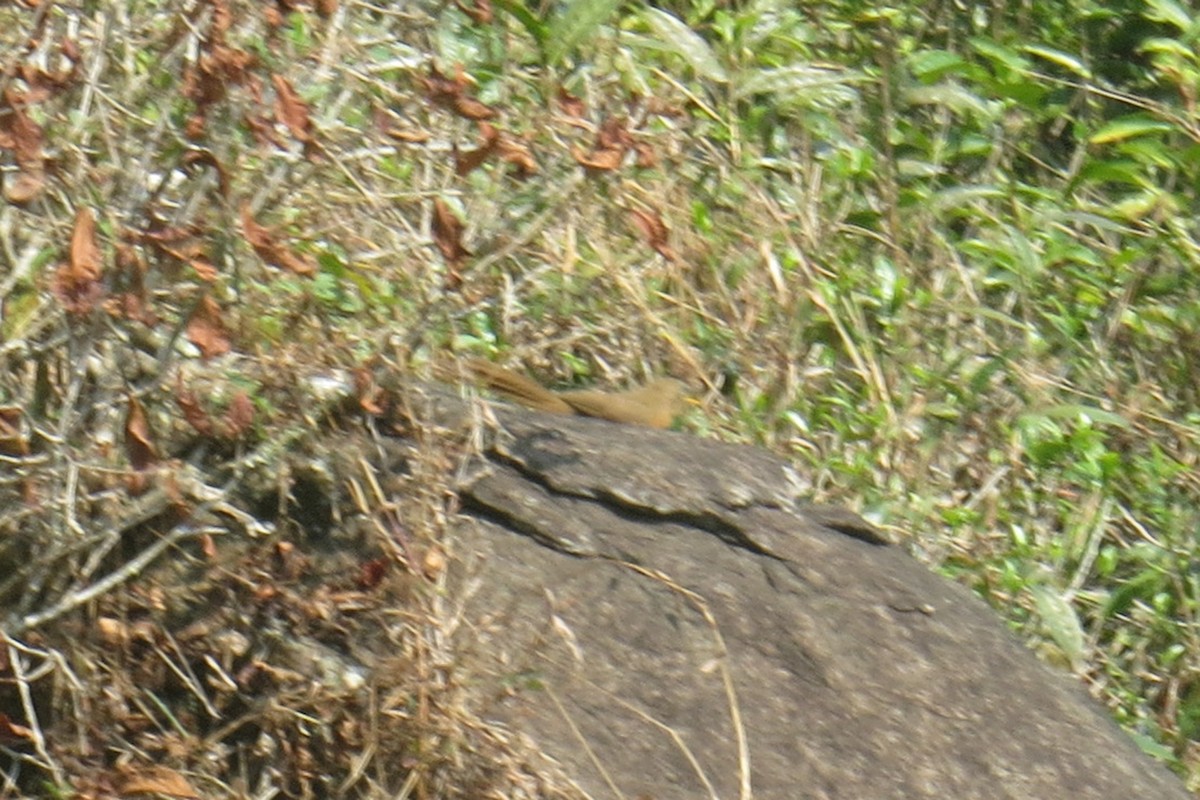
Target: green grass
[[948, 262]]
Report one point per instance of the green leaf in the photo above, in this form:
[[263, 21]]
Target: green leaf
[[1061, 622], [579, 21], [1153, 748], [953, 97], [1122, 171], [1172, 47], [1141, 204], [1127, 128], [930, 65], [999, 54], [956, 198], [1170, 12], [1064, 60], [802, 84], [685, 42], [1079, 410], [533, 26]]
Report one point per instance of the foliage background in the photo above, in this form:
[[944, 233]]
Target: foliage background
[[945, 257]]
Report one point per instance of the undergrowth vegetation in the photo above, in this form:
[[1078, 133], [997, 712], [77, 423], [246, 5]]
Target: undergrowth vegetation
[[945, 257]]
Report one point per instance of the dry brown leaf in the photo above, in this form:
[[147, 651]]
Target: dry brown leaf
[[291, 110], [19, 133], [195, 414], [654, 231], [262, 130], [480, 11], [12, 733], [201, 157], [571, 105], [607, 154], [466, 163], [450, 93], [442, 89], [434, 563], [408, 135], [599, 160], [222, 19], [326, 8], [85, 253], [156, 780], [26, 187], [13, 441], [511, 151], [139, 441], [646, 157], [272, 16], [239, 416], [613, 135], [370, 573], [43, 85], [130, 272], [206, 330], [271, 251], [517, 154], [447, 235], [70, 50], [471, 108], [77, 282]]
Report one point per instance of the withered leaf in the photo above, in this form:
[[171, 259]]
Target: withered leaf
[[517, 154], [409, 135], [206, 330], [571, 105], [291, 110], [371, 573], [272, 16], [646, 157], [195, 127], [613, 134], [447, 234], [12, 733], [222, 19], [19, 133], [480, 11], [442, 89], [193, 411], [471, 108], [511, 151], [262, 130], [654, 231], [13, 441], [599, 160], [131, 302], [450, 93], [612, 141], [201, 157], [271, 251], [70, 50], [77, 282], [466, 163], [139, 442], [26, 187], [43, 85], [239, 416], [152, 780]]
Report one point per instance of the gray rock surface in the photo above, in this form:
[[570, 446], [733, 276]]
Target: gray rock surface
[[662, 616]]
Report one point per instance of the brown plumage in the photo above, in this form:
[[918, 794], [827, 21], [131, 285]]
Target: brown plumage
[[654, 405]]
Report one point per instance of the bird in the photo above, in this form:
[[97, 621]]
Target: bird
[[654, 405]]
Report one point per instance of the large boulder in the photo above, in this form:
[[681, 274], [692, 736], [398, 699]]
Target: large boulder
[[666, 618]]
